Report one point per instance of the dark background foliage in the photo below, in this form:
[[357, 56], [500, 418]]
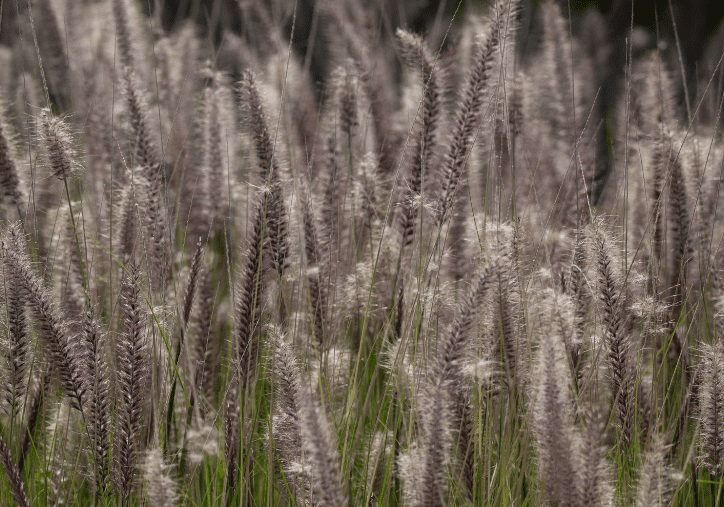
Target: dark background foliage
[[604, 27], [697, 20]]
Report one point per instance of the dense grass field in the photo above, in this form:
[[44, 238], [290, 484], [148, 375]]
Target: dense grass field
[[437, 275]]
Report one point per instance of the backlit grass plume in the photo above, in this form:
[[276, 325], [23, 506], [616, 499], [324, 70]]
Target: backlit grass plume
[[320, 448], [17, 488], [58, 145], [711, 409], [552, 419], [133, 379], [17, 343], [61, 346], [468, 115], [616, 329], [269, 172]]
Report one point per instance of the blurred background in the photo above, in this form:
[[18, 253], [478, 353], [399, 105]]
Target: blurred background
[[602, 26], [605, 30], [603, 22]]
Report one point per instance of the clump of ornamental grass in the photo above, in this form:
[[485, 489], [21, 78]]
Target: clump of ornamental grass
[[381, 265]]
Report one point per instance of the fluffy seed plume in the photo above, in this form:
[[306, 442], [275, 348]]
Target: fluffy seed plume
[[132, 196], [147, 158], [205, 349], [430, 117], [17, 346], [137, 110], [276, 212], [216, 98], [35, 406], [286, 428], [190, 292], [60, 344], [317, 290], [655, 480], [576, 291], [248, 296], [322, 454], [469, 113], [161, 488], [17, 488], [592, 478], [328, 167], [552, 421], [124, 32], [557, 47], [679, 218], [453, 346], [423, 468], [133, 368], [58, 145], [711, 409], [246, 314], [55, 60], [507, 338], [616, 333], [99, 412]]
